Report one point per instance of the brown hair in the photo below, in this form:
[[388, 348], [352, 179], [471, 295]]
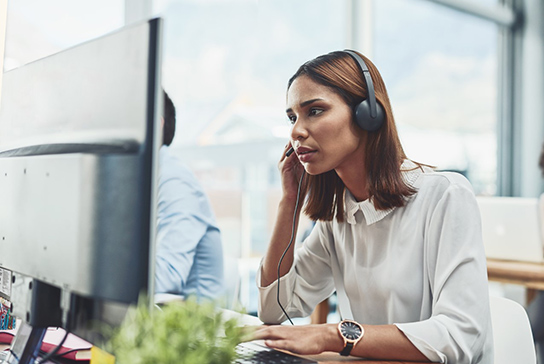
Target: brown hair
[[169, 115], [383, 150]]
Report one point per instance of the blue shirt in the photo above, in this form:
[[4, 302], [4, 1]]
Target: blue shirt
[[189, 250]]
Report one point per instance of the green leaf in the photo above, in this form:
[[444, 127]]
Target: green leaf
[[181, 332]]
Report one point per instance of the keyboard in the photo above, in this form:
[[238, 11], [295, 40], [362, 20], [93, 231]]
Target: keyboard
[[253, 353]]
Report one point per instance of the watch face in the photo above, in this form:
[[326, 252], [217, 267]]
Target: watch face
[[350, 330]]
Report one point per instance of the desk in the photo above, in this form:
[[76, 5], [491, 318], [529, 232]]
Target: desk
[[528, 274], [335, 358]]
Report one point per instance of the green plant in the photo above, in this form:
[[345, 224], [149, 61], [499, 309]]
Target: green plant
[[186, 332]]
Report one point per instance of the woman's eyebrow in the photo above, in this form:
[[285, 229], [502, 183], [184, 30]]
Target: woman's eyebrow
[[304, 103]]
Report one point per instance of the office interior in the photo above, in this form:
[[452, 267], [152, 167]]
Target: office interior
[[466, 81]]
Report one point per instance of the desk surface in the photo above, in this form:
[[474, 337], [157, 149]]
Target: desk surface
[[335, 358], [528, 274]]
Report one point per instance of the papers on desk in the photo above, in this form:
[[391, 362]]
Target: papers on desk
[[242, 319], [74, 348], [6, 336]]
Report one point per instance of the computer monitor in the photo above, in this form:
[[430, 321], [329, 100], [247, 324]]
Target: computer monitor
[[79, 140]]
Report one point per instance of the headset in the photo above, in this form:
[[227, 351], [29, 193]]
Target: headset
[[369, 114]]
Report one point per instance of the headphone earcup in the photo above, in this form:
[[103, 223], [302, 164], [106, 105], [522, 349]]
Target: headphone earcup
[[365, 120]]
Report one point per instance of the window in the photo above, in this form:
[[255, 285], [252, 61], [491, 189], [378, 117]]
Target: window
[[36, 29], [226, 65], [440, 67]]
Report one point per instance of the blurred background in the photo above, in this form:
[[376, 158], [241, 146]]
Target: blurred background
[[465, 79]]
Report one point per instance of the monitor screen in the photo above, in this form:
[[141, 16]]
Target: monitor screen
[[79, 138]]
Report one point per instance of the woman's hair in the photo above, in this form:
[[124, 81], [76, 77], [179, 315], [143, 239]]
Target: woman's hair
[[169, 115], [383, 150]]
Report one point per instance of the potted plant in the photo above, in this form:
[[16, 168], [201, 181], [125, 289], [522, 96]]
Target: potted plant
[[180, 332]]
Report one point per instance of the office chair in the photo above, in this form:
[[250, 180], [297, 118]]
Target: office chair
[[511, 332]]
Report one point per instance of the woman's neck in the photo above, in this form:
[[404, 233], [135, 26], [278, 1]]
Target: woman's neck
[[355, 181]]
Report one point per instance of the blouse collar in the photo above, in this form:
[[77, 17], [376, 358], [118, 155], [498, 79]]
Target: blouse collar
[[410, 173]]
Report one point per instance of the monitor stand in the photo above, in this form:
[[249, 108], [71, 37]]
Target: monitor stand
[[45, 310], [26, 345]]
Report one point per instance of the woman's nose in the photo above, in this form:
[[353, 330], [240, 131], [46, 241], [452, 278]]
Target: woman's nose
[[299, 131]]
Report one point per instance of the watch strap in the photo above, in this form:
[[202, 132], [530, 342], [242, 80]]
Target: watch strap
[[347, 349]]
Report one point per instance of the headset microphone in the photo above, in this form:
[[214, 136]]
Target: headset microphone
[[289, 152]]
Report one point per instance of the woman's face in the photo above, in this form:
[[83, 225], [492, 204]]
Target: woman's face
[[323, 133]]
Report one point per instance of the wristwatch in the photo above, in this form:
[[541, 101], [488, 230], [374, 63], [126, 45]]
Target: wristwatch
[[352, 332]]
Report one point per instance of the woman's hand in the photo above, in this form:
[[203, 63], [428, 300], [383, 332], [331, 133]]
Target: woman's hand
[[383, 342], [303, 340], [291, 170]]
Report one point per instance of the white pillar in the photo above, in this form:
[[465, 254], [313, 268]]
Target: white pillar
[[359, 26], [528, 180]]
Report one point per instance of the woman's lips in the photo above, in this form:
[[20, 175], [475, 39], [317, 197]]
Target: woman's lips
[[305, 154]]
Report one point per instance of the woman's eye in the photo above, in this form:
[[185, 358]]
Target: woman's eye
[[292, 118], [315, 112]]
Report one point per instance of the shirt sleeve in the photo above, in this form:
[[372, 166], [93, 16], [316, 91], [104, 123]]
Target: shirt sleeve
[[459, 330], [181, 226], [308, 282]]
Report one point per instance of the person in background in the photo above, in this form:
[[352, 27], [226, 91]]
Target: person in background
[[535, 310], [400, 243], [189, 253]]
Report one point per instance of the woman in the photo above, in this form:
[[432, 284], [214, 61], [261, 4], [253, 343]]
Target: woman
[[399, 243]]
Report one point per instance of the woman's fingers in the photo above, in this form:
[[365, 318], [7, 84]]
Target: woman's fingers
[[305, 339], [281, 344], [266, 332]]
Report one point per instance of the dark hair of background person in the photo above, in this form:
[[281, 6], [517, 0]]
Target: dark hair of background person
[[169, 129], [541, 160], [383, 150]]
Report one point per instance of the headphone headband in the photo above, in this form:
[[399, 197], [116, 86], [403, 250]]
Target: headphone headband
[[371, 95], [369, 114]]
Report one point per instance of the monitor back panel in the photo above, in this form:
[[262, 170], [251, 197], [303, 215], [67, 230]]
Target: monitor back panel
[[78, 156]]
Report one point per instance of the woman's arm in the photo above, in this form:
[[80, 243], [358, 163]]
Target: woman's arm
[[281, 236], [291, 171], [459, 328], [378, 342]]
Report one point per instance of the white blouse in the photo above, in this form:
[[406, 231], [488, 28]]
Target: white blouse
[[421, 267]]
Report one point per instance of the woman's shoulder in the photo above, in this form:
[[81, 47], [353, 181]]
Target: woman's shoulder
[[438, 183], [423, 177]]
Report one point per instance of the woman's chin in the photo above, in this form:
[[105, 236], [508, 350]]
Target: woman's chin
[[313, 170]]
